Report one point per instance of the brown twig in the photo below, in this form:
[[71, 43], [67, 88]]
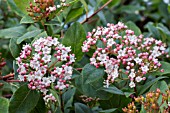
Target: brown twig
[[13, 81], [87, 18]]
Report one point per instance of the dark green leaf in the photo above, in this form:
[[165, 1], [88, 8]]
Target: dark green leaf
[[26, 20], [12, 32], [4, 103], [23, 100], [113, 90], [108, 110], [82, 108], [74, 37], [28, 35], [40, 107], [92, 73], [162, 85], [153, 30], [73, 14], [133, 27], [146, 86], [14, 47]]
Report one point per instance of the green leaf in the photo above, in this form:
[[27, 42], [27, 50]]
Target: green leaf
[[14, 7], [40, 107], [169, 8], [113, 90], [108, 110], [12, 32], [113, 3], [68, 99], [74, 37], [4, 103], [82, 108], [28, 35], [91, 87], [165, 33], [26, 20], [133, 27], [162, 85], [23, 5], [147, 85], [92, 73], [73, 14], [153, 30], [130, 9], [14, 47], [23, 100], [85, 5], [165, 66]]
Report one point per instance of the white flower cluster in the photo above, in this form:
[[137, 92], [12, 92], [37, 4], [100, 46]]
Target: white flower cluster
[[44, 63], [123, 52]]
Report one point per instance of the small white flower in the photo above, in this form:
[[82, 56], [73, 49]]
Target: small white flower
[[92, 60], [106, 83], [52, 8], [37, 48], [132, 75], [46, 81], [121, 52], [58, 70], [138, 79], [46, 58], [110, 42], [46, 50], [132, 84], [60, 85], [138, 60], [72, 58], [145, 68], [55, 41], [21, 77]]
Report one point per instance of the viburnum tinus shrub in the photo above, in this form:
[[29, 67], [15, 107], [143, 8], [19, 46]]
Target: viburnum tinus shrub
[[120, 51], [41, 72]]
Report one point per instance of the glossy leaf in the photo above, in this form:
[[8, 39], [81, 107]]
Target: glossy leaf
[[4, 103], [133, 27], [74, 37], [73, 14], [108, 110], [28, 35], [26, 20], [153, 30], [146, 86], [81, 108], [12, 32], [14, 47], [113, 90], [23, 100], [40, 107]]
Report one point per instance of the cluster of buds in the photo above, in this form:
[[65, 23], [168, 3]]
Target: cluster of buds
[[44, 9], [87, 99], [131, 108], [46, 62], [118, 48], [150, 102], [49, 98], [2, 64]]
